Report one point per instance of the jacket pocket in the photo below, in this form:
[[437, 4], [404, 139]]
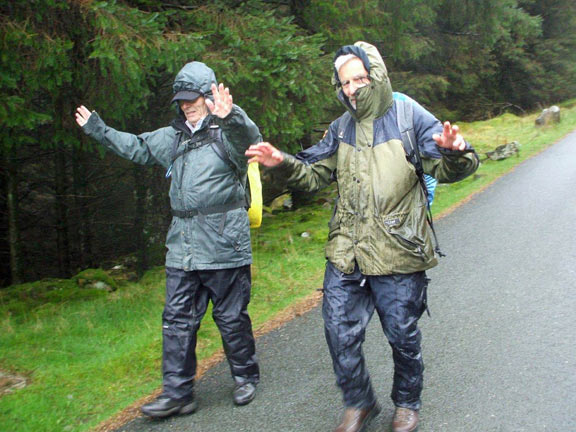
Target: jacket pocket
[[230, 228], [410, 232]]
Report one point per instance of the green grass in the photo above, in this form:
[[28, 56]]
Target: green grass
[[487, 135], [89, 353]]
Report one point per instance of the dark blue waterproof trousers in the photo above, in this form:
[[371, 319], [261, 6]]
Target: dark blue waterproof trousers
[[187, 297], [349, 302]]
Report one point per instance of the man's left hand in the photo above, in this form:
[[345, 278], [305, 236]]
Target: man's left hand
[[222, 104], [451, 138]]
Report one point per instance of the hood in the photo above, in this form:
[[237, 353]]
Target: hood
[[376, 98], [195, 76]]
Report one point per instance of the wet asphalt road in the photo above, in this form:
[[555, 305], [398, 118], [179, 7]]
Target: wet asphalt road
[[499, 349]]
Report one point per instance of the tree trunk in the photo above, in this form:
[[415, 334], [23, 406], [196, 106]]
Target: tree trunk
[[140, 220], [297, 8], [16, 275], [63, 240], [82, 209]]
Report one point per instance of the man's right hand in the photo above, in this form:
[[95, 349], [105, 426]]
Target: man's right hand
[[264, 153], [82, 115]]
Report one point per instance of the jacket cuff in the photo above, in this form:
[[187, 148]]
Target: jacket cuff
[[448, 152], [286, 167], [288, 161], [94, 125], [230, 118]]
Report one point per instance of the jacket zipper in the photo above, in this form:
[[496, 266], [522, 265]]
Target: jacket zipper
[[414, 245]]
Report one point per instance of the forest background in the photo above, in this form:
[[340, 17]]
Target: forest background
[[68, 205]]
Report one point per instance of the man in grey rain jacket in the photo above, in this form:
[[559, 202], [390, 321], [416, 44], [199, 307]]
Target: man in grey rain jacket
[[379, 242], [209, 252]]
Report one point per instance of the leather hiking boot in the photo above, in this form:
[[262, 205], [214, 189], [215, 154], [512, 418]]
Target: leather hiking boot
[[356, 419], [405, 420], [165, 406], [244, 394]]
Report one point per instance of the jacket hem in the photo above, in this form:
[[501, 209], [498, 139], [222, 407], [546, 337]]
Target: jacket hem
[[209, 266], [385, 272]]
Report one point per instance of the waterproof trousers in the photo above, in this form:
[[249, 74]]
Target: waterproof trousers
[[348, 304], [187, 296]]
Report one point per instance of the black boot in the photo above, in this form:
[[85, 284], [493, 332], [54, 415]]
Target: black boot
[[244, 393], [165, 406]]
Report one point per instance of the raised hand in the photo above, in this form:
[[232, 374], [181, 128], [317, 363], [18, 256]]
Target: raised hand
[[451, 138], [264, 153], [82, 115], [222, 104]]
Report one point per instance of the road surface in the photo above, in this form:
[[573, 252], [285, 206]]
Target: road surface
[[499, 348]]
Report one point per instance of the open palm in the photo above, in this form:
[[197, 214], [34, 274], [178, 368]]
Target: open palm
[[222, 104]]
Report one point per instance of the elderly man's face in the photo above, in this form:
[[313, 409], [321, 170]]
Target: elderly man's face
[[194, 111], [353, 75]]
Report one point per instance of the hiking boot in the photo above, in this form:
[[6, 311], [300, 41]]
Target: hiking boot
[[164, 406], [356, 420], [405, 420], [244, 394]]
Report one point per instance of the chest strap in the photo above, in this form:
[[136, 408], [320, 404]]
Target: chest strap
[[221, 208]]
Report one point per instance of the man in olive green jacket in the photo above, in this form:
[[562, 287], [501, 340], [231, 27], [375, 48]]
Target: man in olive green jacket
[[209, 252], [379, 242]]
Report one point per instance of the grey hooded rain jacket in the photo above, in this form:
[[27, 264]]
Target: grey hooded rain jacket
[[201, 183]]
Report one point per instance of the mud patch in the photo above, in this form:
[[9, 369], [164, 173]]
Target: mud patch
[[10, 382]]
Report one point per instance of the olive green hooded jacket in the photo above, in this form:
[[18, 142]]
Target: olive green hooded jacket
[[379, 220], [201, 181]]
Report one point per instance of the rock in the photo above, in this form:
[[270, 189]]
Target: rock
[[504, 151], [95, 279], [282, 202], [287, 204], [548, 115], [102, 286]]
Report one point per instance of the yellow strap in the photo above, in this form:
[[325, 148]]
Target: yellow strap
[[255, 210]]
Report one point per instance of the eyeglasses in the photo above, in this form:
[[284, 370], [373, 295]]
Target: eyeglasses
[[358, 81]]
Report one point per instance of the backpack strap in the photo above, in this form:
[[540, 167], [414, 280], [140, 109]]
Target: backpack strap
[[175, 144], [192, 143], [405, 120], [218, 146], [196, 141]]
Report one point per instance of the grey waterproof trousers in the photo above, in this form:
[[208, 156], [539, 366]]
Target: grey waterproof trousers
[[348, 304], [187, 296]]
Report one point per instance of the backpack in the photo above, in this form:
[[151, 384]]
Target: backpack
[[405, 120], [252, 193]]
